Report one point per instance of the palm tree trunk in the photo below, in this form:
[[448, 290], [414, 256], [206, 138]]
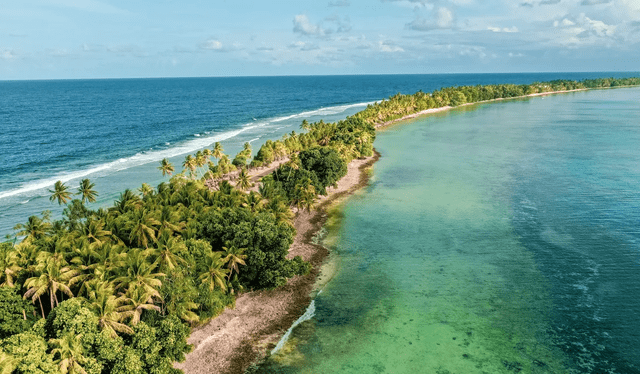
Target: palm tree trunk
[[41, 308]]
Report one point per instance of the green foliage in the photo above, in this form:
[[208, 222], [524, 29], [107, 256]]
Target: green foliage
[[326, 163], [71, 316], [16, 314], [30, 354]]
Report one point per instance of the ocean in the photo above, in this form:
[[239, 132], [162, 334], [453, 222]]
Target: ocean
[[115, 132], [495, 238]]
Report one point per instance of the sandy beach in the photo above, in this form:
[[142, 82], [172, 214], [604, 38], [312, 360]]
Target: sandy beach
[[239, 336]]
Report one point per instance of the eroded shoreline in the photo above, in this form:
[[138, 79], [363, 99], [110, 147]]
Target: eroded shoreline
[[238, 337]]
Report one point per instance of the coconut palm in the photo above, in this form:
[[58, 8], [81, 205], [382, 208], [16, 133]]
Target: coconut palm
[[139, 300], [68, 353], [214, 274], [137, 272], [170, 220], [86, 191], [9, 266], [94, 231], [190, 165], [110, 309], [169, 250], [166, 167], [244, 180], [217, 151], [60, 193], [142, 227], [233, 257], [34, 229], [146, 190], [51, 275]]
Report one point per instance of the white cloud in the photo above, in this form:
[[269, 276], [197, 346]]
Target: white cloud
[[7, 54], [302, 25], [442, 18], [212, 44], [389, 47], [504, 29], [304, 46]]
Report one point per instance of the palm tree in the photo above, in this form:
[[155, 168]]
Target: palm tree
[[233, 257], [142, 226], [109, 309], [169, 249], [166, 167], [146, 190], [170, 220], [34, 229], [139, 301], [60, 192], [190, 165], [305, 125], [9, 266], [137, 272], [95, 232], [86, 191], [214, 273], [244, 180], [51, 276], [217, 151], [70, 353]]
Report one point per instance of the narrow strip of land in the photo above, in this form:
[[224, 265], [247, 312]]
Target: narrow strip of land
[[239, 336], [448, 107]]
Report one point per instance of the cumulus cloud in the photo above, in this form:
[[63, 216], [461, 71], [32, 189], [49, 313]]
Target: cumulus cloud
[[342, 24], [504, 29], [442, 18], [302, 25], [212, 44], [303, 46], [389, 47], [7, 54], [549, 2]]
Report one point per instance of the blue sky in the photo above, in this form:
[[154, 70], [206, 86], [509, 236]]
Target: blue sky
[[54, 39]]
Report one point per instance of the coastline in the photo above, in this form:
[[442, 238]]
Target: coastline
[[448, 107], [241, 336]]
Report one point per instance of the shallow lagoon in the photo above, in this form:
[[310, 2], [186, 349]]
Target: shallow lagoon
[[494, 238]]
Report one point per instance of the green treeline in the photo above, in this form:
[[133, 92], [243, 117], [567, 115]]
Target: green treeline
[[116, 290], [399, 105]]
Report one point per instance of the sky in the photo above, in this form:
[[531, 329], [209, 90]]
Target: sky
[[77, 39]]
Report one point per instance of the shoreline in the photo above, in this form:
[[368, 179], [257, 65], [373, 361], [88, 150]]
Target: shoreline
[[448, 107], [243, 335]]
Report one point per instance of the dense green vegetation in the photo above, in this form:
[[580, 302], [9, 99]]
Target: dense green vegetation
[[400, 105], [115, 290]]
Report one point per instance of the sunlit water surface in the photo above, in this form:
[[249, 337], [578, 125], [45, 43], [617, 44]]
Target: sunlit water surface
[[496, 238]]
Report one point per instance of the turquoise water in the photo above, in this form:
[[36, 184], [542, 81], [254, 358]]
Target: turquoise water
[[497, 238]]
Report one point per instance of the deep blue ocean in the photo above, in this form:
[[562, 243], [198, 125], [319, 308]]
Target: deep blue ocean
[[115, 131]]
